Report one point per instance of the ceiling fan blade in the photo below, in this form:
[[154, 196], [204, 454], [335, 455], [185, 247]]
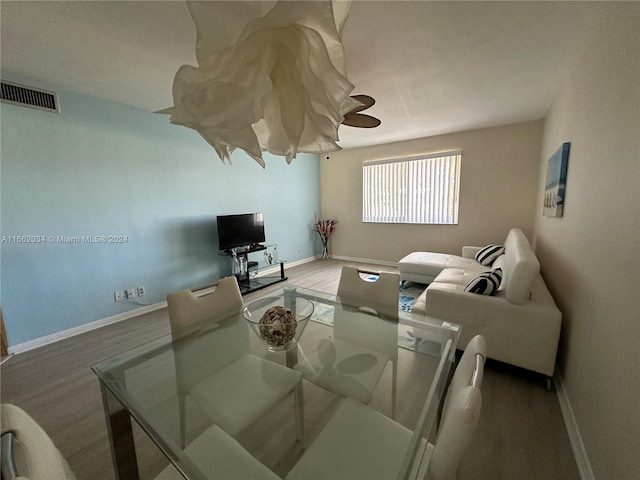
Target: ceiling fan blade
[[366, 100], [360, 120]]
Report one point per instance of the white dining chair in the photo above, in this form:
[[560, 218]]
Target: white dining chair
[[381, 295], [353, 361], [361, 443], [28, 453], [218, 455], [384, 290], [213, 364]]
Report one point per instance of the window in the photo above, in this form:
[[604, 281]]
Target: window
[[421, 189]]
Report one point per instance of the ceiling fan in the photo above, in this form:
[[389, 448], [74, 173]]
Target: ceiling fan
[[355, 119]]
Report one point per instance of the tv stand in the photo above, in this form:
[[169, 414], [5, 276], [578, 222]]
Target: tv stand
[[250, 282], [256, 247]]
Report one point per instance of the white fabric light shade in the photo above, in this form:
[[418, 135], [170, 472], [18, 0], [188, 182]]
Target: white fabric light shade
[[281, 88]]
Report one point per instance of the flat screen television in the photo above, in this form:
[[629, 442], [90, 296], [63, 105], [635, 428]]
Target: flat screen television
[[240, 230]]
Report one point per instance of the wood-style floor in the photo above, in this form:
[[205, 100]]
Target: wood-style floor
[[521, 434]]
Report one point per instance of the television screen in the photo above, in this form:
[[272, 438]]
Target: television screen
[[240, 230]]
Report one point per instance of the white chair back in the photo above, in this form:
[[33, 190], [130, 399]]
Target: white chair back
[[31, 454], [380, 294], [210, 327], [460, 414], [186, 311]]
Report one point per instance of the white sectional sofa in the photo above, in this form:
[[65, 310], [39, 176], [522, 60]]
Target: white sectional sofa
[[521, 322]]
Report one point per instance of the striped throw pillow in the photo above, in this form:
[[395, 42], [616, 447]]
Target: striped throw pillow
[[486, 283], [487, 255]]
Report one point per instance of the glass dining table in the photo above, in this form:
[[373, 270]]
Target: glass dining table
[[396, 362]]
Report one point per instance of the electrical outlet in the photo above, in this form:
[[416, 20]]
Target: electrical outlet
[[131, 293], [141, 291], [118, 295]]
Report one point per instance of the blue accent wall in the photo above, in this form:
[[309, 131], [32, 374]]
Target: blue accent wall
[[106, 169]]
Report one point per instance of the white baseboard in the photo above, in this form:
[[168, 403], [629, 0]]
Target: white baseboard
[[579, 450], [276, 267], [365, 260], [87, 327]]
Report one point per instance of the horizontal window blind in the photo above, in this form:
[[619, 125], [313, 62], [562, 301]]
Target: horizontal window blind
[[421, 189]]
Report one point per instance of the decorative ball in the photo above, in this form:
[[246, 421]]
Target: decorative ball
[[278, 326]]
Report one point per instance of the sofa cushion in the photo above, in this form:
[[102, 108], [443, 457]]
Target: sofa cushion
[[487, 255], [458, 276], [427, 265], [486, 283]]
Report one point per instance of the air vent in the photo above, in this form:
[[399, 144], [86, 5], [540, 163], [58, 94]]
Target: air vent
[[29, 97]]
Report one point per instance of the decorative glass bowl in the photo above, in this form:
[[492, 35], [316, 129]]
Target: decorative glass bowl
[[278, 320]]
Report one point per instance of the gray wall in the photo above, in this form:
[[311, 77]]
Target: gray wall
[[590, 257], [499, 173]]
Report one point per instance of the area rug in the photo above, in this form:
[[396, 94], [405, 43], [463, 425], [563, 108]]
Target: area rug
[[408, 294]]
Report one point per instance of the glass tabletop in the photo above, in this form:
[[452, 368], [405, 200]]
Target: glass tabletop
[[396, 363]]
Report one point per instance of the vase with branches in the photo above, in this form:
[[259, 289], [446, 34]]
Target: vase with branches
[[325, 228]]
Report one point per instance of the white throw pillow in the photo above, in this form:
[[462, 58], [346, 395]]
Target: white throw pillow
[[486, 283], [487, 255]]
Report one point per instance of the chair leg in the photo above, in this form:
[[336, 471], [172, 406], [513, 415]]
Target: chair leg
[[182, 420], [299, 406], [291, 359], [394, 385]]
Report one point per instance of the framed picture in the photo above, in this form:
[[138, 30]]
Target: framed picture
[[556, 182]]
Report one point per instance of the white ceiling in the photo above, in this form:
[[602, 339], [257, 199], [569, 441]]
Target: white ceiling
[[433, 67]]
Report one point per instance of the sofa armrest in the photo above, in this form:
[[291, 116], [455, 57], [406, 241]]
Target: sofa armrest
[[523, 335], [469, 251]]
